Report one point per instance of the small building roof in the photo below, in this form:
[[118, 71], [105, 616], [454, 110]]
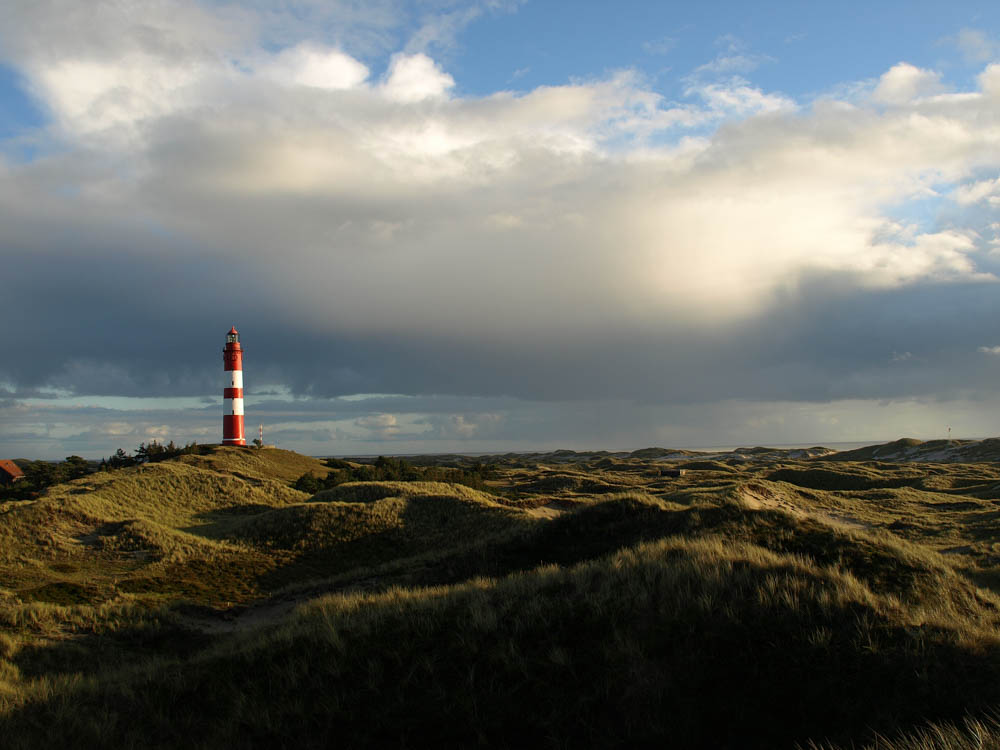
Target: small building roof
[[10, 468]]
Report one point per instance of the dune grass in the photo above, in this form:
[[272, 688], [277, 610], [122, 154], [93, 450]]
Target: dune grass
[[204, 602], [697, 643]]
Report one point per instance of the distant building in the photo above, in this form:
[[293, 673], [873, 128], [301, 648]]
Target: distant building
[[10, 472]]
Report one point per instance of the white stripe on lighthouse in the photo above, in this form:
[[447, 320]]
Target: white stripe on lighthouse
[[232, 407], [236, 379]]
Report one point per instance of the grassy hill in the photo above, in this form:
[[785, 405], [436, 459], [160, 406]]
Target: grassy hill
[[910, 449], [204, 602]]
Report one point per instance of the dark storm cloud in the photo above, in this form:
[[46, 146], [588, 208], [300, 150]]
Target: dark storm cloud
[[138, 328], [830, 343]]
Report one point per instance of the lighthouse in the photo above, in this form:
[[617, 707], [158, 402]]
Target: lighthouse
[[232, 393]]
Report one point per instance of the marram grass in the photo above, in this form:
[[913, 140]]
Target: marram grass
[[188, 604]]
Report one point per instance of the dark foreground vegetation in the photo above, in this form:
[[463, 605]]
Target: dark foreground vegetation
[[572, 600]]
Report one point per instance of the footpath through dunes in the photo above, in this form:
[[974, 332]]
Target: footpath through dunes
[[203, 602]]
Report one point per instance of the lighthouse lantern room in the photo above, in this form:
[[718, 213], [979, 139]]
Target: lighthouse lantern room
[[232, 392]]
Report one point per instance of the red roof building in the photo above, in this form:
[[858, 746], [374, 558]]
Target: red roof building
[[10, 472]]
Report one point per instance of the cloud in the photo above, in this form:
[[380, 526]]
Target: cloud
[[376, 207], [412, 78], [107, 65], [659, 46], [286, 436], [903, 83], [309, 64], [518, 425], [730, 43], [377, 422], [991, 350], [989, 80], [736, 97], [380, 426], [464, 426], [440, 27], [720, 82], [976, 46], [982, 190], [732, 63]]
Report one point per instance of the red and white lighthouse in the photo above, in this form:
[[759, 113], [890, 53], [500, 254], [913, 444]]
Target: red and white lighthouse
[[232, 393]]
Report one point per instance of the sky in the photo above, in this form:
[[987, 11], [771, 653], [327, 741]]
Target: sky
[[498, 226]]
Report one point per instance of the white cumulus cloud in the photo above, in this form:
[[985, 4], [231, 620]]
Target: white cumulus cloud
[[412, 78], [982, 190], [309, 64], [903, 83]]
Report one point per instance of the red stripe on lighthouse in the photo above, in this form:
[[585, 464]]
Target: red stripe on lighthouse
[[232, 393], [233, 426]]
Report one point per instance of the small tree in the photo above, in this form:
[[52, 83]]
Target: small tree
[[120, 460], [76, 467], [308, 483]]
